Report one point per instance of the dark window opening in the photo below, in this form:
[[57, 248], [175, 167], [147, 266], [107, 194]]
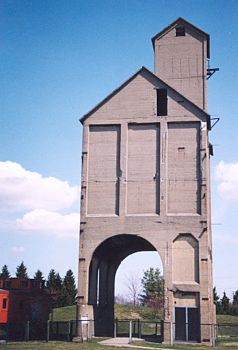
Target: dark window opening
[[180, 31], [162, 102], [7, 285], [24, 284], [21, 305], [4, 303]]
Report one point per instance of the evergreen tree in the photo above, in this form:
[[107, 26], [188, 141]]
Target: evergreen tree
[[235, 298], [217, 301], [51, 281], [58, 281], [225, 304], [234, 307], [38, 276], [54, 283], [153, 290], [69, 288], [21, 271], [5, 273]]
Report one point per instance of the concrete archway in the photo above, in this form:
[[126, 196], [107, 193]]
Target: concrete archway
[[104, 263]]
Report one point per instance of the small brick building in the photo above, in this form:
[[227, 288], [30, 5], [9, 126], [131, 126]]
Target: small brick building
[[24, 299]]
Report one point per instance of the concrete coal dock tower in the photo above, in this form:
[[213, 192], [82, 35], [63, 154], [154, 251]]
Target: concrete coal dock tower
[[146, 186]]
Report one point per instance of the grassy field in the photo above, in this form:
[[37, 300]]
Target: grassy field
[[227, 319], [93, 345], [121, 312], [127, 312], [66, 313], [53, 345], [223, 345]]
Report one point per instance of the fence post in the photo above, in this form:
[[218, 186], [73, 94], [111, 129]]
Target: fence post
[[27, 331], [115, 328], [162, 330], [213, 335], [71, 330], [48, 330], [139, 328], [90, 329], [69, 327], [7, 332], [130, 332], [171, 333]]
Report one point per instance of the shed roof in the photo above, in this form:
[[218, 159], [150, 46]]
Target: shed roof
[[182, 21]]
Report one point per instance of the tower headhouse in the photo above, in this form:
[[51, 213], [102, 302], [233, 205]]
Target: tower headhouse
[[181, 53]]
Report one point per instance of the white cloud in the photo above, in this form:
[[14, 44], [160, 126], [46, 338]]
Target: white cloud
[[18, 249], [227, 175], [21, 189], [50, 223]]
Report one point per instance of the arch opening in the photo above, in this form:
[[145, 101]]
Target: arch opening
[[130, 273], [104, 264]]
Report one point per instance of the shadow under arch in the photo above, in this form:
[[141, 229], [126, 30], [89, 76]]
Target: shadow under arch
[[104, 263]]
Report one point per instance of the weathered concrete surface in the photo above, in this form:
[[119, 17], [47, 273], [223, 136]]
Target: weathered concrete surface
[[146, 187]]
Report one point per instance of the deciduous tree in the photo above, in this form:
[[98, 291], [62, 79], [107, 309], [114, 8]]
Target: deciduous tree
[[133, 284]]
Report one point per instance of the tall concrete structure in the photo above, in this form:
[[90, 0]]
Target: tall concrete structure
[[146, 186]]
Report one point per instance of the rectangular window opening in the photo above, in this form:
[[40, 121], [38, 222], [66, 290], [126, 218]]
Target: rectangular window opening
[[4, 303], [24, 284], [180, 31], [162, 102]]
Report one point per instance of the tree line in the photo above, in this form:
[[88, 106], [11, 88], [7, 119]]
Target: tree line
[[63, 290], [225, 305]]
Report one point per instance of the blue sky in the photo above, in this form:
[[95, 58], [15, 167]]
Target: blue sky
[[60, 58]]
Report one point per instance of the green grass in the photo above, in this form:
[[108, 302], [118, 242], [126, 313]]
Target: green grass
[[127, 312], [53, 345], [227, 319], [133, 312], [93, 345], [66, 313], [223, 345]]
